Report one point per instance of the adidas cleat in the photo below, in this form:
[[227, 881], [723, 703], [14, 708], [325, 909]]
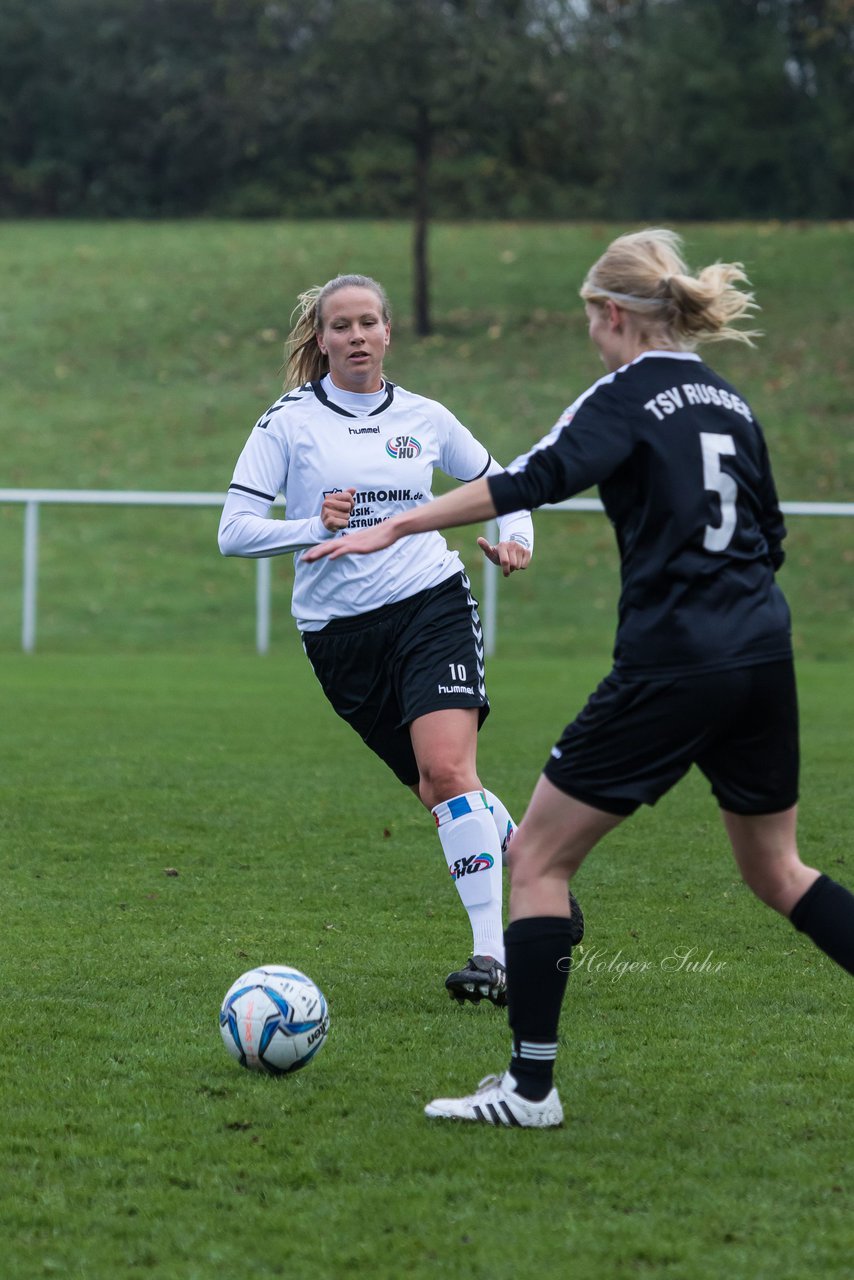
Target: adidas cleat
[[497, 1103], [483, 978]]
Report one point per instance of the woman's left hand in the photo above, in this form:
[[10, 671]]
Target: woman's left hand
[[509, 556]]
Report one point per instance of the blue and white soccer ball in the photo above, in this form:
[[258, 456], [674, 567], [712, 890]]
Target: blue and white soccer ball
[[273, 1019]]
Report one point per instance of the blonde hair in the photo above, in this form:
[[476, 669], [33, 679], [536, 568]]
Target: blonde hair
[[304, 361], [645, 273]]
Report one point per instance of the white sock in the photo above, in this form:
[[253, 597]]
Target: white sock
[[504, 824], [472, 849]]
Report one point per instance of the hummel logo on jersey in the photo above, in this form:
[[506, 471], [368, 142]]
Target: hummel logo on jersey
[[402, 447], [363, 431], [468, 866]]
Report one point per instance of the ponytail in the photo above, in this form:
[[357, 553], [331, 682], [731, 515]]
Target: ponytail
[[645, 273], [304, 361]]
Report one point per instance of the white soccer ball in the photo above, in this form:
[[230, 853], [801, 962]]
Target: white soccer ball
[[273, 1019]]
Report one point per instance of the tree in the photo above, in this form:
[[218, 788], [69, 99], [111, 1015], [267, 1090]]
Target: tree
[[819, 36], [624, 109], [436, 76], [144, 108]]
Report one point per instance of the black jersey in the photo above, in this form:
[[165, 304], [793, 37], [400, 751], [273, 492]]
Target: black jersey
[[682, 469]]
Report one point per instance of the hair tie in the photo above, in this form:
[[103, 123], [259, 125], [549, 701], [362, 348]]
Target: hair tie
[[629, 299]]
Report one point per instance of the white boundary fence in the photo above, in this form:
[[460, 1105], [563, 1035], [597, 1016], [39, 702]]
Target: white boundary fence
[[33, 499]]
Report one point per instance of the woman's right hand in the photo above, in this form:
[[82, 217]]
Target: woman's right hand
[[337, 508]]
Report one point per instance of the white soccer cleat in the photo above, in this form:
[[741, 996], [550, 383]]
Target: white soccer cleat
[[497, 1103]]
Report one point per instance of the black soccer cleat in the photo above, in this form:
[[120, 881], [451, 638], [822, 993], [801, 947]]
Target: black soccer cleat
[[576, 920], [483, 978]]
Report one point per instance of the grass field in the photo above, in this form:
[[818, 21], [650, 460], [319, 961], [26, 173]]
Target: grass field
[[174, 810], [708, 1111]]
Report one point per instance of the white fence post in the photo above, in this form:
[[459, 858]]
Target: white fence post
[[262, 605], [490, 593], [31, 576]]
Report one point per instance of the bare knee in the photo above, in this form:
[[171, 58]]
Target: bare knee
[[527, 864], [440, 780]]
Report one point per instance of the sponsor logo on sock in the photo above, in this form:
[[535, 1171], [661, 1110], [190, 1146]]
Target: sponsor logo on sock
[[468, 866]]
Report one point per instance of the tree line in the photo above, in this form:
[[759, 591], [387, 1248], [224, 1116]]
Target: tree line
[[480, 108], [617, 109]]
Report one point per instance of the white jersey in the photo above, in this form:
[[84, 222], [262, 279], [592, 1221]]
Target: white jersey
[[318, 440]]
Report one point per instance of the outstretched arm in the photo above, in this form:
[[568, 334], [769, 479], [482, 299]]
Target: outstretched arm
[[470, 504]]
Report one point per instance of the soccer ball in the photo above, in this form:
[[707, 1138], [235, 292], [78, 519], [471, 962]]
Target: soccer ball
[[273, 1019]]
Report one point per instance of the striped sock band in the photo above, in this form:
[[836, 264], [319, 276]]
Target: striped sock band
[[459, 806], [535, 1051]]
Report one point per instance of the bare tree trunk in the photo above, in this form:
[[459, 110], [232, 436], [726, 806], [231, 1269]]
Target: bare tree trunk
[[421, 271]]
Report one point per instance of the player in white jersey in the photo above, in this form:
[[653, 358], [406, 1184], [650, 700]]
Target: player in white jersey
[[395, 641]]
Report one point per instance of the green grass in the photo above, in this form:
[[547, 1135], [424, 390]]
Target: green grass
[[708, 1127], [708, 1112]]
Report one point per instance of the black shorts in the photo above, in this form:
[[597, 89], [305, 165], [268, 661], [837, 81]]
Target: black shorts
[[635, 739], [383, 669]]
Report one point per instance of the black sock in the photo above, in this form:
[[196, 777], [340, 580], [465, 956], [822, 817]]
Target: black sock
[[825, 913], [538, 959]]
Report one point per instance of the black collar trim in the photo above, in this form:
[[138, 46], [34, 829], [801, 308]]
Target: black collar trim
[[345, 413]]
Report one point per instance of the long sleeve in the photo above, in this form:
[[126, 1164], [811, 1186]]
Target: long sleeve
[[245, 528], [515, 524], [466, 459]]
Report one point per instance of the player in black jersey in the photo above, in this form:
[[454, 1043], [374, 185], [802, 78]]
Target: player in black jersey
[[703, 669]]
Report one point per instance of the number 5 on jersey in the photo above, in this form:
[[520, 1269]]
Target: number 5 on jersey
[[714, 447]]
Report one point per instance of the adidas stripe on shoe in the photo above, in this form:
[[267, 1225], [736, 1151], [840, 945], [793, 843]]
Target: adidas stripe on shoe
[[497, 1103]]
